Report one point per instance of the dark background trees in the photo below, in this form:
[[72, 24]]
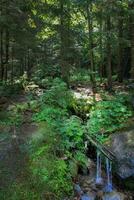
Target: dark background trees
[[65, 35]]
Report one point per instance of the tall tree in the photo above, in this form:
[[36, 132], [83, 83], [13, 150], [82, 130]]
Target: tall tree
[[131, 29], [120, 42], [108, 46]]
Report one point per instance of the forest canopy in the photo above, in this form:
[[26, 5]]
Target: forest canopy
[[66, 99], [56, 37]]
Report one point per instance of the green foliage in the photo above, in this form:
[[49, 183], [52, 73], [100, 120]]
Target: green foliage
[[49, 171], [43, 71], [57, 95], [82, 107], [54, 104], [80, 76], [108, 116], [61, 137], [20, 191], [10, 90], [11, 119], [52, 115], [72, 132]]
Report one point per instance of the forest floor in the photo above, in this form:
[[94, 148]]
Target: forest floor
[[13, 157]]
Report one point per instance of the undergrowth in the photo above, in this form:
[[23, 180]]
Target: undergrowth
[[57, 149], [108, 116]]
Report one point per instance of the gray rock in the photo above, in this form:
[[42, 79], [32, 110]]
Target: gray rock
[[122, 145], [113, 196]]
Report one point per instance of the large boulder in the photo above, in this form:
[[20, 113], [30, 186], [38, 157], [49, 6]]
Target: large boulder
[[122, 145]]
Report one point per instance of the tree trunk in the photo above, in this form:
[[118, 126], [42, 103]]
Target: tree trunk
[[120, 50], [1, 56], [109, 54], [91, 54], [7, 54], [64, 35], [12, 66], [131, 7], [100, 48]]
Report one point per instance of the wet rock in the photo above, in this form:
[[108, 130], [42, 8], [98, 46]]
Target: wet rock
[[122, 146], [3, 100], [113, 196], [99, 195], [87, 197]]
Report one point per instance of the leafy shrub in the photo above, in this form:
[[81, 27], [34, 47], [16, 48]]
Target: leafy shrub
[[46, 71], [52, 115], [82, 107], [108, 116], [10, 90], [49, 171], [18, 191], [57, 95], [80, 76], [11, 118], [54, 104], [72, 132], [61, 137]]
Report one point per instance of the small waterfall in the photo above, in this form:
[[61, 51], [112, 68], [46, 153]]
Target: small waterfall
[[99, 179], [98, 171], [109, 186]]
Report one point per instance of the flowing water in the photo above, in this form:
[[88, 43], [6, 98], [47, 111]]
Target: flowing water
[[99, 179], [98, 185], [109, 185]]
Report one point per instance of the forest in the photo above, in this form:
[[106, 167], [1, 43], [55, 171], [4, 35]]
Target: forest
[[66, 99]]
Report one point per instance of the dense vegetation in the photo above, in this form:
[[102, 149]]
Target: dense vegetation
[[48, 48]]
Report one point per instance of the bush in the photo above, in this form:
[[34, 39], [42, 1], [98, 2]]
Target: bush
[[54, 104], [57, 95], [52, 115], [72, 132], [50, 173], [8, 90], [108, 116], [81, 76], [19, 190], [82, 107]]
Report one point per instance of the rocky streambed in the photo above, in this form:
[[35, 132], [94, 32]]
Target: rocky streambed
[[92, 191], [122, 146]]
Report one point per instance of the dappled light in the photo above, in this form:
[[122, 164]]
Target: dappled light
[[66, 100]]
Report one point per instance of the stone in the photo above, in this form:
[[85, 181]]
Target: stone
[[113, 196], [122, 145], [3, 100]]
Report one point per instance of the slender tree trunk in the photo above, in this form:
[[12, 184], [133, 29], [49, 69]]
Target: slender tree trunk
[[7, 54], [100, 49], [28, 63], [120, 47], [91, 54], [131, 8], [64, 26], [1, 56], [12, 66], [109, 54]]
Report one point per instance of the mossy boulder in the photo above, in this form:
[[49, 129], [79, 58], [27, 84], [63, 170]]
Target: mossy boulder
[[122, 145]]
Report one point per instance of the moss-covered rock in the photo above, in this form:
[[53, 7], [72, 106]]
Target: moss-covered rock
[[122, 145]]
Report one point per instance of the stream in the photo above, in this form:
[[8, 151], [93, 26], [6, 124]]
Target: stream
[[98, 184]]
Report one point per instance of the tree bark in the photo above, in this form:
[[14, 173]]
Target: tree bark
[[109, 54], [64, 35], [91, 54], [101, 70], [1, 56], [120, 47], [131, 9]]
